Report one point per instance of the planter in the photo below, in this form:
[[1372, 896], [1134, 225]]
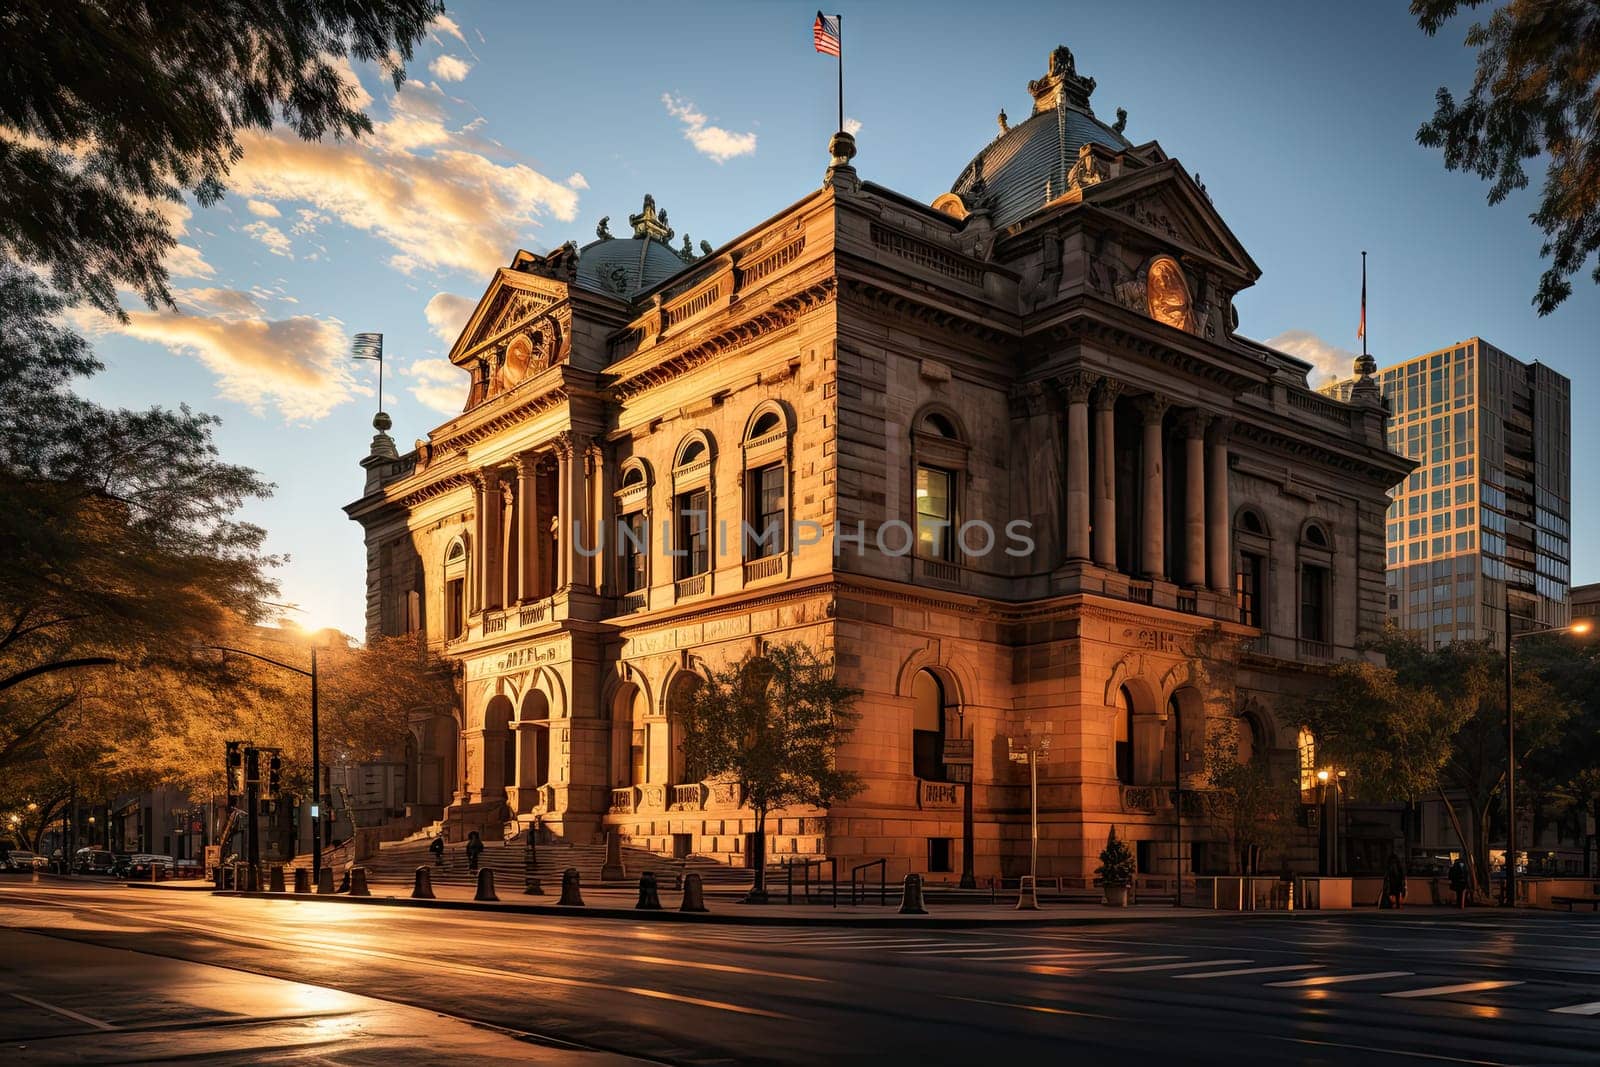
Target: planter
[[1116, 896]]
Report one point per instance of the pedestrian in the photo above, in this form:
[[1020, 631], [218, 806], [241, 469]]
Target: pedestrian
[[1394, 882], [474, 849], [437, 848], [1458, 881]]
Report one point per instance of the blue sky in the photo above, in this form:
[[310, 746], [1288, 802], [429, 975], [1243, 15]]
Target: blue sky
[[526, 123]]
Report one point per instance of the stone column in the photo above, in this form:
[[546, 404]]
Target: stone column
[[1078, 386], [527, 529], [1194, 499], [475, 557], [1219, 521], [1153, 521], [1105, 473], [575, 523], [598, 531], [510, 547], [493, 553]]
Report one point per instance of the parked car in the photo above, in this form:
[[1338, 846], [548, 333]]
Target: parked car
[[139, 865], [18, 860], [92, 861]]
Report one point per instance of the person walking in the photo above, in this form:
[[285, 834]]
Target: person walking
[[1394, 882], [474, 849], [437, 848], [1458, 881]]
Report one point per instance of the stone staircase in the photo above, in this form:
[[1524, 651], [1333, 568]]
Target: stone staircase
[[396, 862]]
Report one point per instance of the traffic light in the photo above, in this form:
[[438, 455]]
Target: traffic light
[[235, 769], [274, 781]]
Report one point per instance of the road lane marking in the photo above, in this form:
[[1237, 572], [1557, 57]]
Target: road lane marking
[[966, 950], [64, 1012], [1409, 1053], [1336, 979], [1042, 1008], [1591, 1008], [1446, 990], [1169, 966], [1252, 970]]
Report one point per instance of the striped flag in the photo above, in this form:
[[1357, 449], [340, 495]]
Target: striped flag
[[367, 346], [825, 34]]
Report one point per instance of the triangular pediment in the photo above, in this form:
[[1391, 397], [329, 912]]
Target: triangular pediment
[[512, 298], [1168, 207]]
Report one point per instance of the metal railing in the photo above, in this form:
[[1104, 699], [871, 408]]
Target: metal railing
[[883, 880], [805, 866]]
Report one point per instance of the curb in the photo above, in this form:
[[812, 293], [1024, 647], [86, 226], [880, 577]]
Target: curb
[[734, 919]]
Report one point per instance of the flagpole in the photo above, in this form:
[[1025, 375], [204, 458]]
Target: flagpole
[[841, 72], [1363, 302]]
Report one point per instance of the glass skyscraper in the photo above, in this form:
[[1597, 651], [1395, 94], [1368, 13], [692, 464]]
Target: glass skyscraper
[[1486, 515]]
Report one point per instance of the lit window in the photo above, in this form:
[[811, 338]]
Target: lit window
[[935, 514]]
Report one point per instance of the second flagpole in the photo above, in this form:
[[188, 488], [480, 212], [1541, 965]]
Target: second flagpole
[[841, 73]]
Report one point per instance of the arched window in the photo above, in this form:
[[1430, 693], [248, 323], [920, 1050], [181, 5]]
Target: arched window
[[927, 727], [691, 514], [940, 450], [1307, 746], [455, 589], [1122, 736], [678, 767], [633, 532], [1251, 554], [766, 492], [1316, 584]]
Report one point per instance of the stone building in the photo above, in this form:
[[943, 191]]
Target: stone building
[[1032, 488]]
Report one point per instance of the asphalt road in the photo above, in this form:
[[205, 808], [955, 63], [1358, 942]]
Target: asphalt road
[[90, 969]]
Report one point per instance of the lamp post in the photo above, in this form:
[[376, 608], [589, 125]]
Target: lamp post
[[1582, 626], [1028, 749], [316, 772]]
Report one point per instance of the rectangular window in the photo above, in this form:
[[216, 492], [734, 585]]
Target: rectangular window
[[1247, 589], [635, 552], [939, 855], [767, 504], [694, 533], [935, 513], [1314, 603], [455, 607], [413, 611]]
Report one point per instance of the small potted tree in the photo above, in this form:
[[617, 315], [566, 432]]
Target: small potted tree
[[1116, 870]]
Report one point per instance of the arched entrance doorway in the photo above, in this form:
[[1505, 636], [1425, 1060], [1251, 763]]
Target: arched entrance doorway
[[533, 749], [499, 748], [942, 751]]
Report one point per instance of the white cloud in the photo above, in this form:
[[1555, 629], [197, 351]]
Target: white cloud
[[447, 314], [444, 24], [262, 209], [423, 187], [1328, 361], [578, 181], [440, 384], [358, 97], [276, 240], [713, 142], [183, 261], [297, 365], [852, 126], [450, 68]]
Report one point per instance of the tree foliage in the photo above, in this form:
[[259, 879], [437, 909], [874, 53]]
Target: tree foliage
[[1536, 94], [109, 108], [1252, 803], [773, 724]]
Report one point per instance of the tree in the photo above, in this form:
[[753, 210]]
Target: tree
[[1252, 805], [109, 110], [117, 542], [773, 724], [1565, 774], [1536, 93]]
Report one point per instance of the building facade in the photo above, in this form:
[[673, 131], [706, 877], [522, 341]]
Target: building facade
[[1004, 457], [1487, 513]]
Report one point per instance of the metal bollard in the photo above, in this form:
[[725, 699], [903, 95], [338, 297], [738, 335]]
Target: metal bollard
[[325, 882], [276, 878], [694, 894], [302, 880], [422, 888], [911, 896], [570, 895], [1028, 895], [358, 882], [485, 885], [649, 896]]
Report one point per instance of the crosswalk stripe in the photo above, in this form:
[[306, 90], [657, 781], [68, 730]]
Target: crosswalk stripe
[[1251, 970], [1337, 979], [1591, 1008], [1445, 990], [1169, 966]]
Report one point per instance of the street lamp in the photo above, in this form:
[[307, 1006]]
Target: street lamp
[[316, 773], [1331, 782], [1582, 626], [1029, 748]]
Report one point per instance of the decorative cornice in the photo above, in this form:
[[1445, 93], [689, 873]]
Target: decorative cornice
[[863, 293]]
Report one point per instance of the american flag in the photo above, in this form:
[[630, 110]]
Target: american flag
[[825, 34]]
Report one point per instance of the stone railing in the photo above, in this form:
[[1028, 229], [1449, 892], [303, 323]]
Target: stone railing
[[693, 585], [940, 572], [691, 797], [624, 801], [1317, 650], [629, 603], [493, 624], [766, 567], [537, 612], [1188, 601], [1141, 592], [1144, 798]]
